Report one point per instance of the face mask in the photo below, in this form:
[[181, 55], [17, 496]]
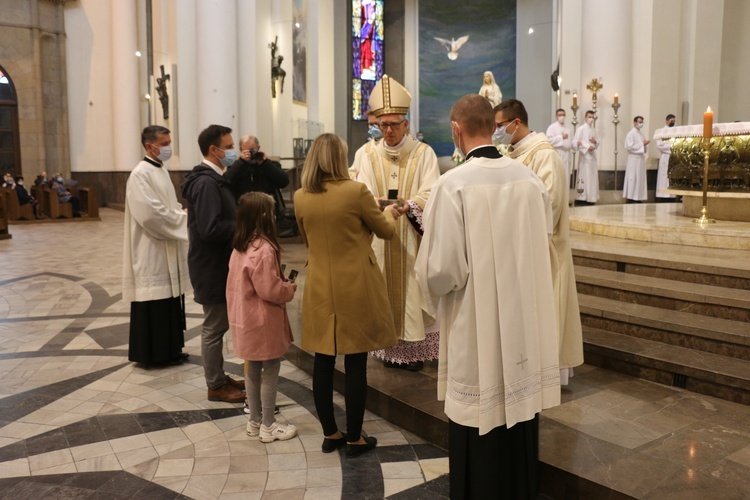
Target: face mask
[[374, 132], [59, 179], [671, 124], [640, 126], [230, 156], [501, 135], [560, 120], [590, 122], [20, 183], [165, 153], [420, 138], [455, 142]]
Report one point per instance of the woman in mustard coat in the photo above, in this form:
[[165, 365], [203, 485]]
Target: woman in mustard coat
[[345, 307]]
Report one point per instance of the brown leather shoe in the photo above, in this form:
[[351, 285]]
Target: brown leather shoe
[[237, 384], [226, 393]]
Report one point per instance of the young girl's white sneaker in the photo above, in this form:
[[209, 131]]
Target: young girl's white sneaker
[[277, 431], [253, 428]]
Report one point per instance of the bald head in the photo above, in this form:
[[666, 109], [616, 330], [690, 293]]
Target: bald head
[[249, 142], [474, 116]]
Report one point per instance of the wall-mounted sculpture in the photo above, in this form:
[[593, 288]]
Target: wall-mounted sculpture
[[276, 71], [161, 89]]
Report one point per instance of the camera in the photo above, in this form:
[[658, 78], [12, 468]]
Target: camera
[[256, 155]]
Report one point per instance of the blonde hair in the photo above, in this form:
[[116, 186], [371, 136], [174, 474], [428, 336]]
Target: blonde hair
[[326, 158]]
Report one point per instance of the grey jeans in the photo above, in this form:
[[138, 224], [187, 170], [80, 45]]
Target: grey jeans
[[215, 325]]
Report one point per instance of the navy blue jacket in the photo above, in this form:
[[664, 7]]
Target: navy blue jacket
[[212, 213]]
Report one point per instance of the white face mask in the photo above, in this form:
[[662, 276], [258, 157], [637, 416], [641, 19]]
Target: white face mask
[[639, 125], [165, 153], [590, 121], [501, 135], [561, 119]]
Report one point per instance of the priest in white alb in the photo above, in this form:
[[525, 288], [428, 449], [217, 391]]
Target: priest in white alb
[[535, 151], [155, 271], [634, 188], [662, 173], [485, 257], [561, 138], [586, 142], [401, 167]]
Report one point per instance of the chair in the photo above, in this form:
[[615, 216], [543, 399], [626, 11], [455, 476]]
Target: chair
[[89, 201]]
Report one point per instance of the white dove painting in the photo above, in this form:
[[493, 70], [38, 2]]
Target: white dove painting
[[453, 45]]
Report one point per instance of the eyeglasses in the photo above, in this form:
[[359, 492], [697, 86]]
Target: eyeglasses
[[498, 125], [386, 126]]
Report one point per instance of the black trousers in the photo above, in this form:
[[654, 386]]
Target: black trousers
[[504, 463], [355, 366]]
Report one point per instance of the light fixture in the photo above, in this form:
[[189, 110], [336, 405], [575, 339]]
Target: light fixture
[[147, 97], [296, 25], [137, 53], [531, 30]]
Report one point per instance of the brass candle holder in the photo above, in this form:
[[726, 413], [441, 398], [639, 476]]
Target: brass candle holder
[[574, 121], [703, 219], [616, 121]]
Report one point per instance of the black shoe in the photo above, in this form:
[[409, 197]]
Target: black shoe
[[331, 445], [414, 366], [355, 450], [391, 364], [184, 355]]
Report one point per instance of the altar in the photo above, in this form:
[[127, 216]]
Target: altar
[[728, 196]]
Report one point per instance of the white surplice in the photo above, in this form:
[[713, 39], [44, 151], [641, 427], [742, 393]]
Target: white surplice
[[156, 239], [562, 145], [485, 255], [634, 187], [412, 169], [662, 174], [587, 180]]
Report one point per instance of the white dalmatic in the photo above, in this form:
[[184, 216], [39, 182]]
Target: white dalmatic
[[587, 180], [634, 187]]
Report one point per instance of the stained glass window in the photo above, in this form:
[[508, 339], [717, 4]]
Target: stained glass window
[[367, 52]]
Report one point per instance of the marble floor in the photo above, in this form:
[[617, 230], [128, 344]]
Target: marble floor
[[77, 420]]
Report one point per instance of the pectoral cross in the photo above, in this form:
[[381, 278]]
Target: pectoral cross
[[522, 361]]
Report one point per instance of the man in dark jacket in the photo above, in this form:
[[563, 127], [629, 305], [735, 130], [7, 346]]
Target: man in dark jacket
[[212, 213], [255, 172]]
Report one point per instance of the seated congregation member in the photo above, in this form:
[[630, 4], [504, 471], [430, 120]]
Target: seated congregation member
[[66, 197], [41, 180], [155, 246], [345, 307], [24, 198], [485, 256]]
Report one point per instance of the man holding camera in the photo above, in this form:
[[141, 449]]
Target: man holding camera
[[253, 171]]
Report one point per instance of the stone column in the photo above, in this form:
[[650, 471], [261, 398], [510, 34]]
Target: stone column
[[216, 50], [125, 98]]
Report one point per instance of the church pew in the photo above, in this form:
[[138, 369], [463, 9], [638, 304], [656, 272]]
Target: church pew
[[4, 234], [57, 209], [15, 210], [38, 193], [89, 201]]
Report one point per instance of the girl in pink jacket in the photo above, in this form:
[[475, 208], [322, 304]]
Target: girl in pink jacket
[[257, 294]]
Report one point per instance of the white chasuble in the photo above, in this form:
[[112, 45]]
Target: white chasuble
[[411, 169]]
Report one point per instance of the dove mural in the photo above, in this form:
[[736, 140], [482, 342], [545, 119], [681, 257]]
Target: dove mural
[[458, 42]]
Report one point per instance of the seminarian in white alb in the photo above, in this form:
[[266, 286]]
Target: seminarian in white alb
[[565, 184]]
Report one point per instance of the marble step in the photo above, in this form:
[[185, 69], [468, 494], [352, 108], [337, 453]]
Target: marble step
[[702, 333], [715, 375], [710, 266], [719, 302]]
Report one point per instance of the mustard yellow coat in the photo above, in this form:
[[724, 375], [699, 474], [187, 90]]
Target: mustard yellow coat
[[345, 308]]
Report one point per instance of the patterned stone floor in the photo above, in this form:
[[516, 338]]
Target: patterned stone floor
[[77, 420]]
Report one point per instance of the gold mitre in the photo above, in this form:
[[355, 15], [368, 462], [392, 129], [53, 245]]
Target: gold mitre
[[389, 98]]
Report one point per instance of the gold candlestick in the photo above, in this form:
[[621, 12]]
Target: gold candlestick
[[574, 108], [704, 211], [616, 121]]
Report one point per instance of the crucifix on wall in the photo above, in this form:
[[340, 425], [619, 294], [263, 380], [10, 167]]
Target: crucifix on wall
[[161, 89]]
